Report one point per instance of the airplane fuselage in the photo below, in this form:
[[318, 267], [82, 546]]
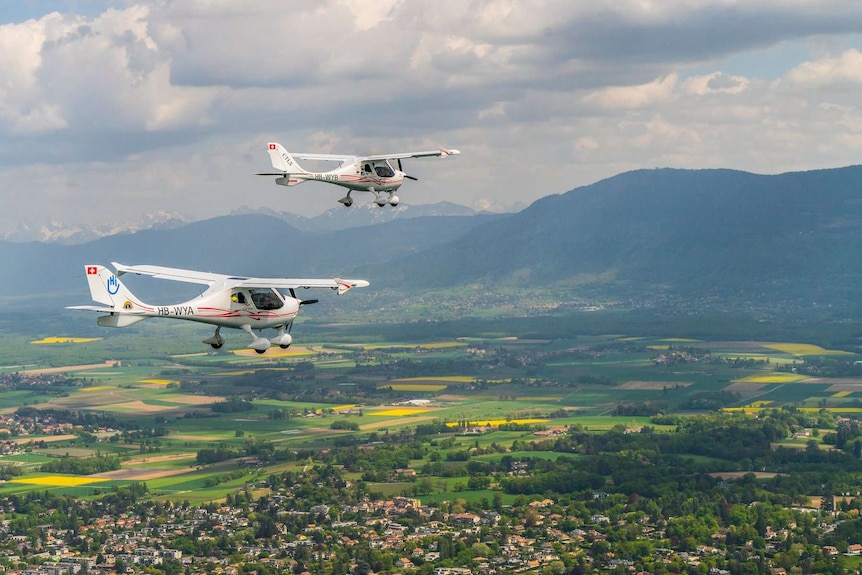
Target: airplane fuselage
[[356, 173], [224, 309], [245, 303], [353, 179]]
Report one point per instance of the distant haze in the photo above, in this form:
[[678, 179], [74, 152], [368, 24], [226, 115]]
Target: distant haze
[[679, 241]]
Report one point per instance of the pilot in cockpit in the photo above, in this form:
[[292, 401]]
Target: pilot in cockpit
[[384, 171], [266, 299]]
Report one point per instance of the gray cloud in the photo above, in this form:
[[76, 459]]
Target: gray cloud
[[167, 104]]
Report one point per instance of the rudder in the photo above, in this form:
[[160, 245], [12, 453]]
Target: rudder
[[106, 288], [284, 162]]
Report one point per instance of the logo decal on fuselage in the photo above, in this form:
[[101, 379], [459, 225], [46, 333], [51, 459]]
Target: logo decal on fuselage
[[113, 285], [127, 305]]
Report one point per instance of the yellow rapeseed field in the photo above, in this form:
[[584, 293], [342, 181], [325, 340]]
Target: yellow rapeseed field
[[160, 381], [398, 412], [841, 394], [774, 377], [274, 352], [753, 407], [98, 387], [804, 349], [343, 407], [59, 480], [66, 340]]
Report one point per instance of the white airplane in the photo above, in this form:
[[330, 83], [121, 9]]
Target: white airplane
[[230, 301], [356, 173]]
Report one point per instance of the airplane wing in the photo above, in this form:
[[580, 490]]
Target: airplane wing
[[175, 274], [442, 153], [225, 281], [322, 157], [342, 285]]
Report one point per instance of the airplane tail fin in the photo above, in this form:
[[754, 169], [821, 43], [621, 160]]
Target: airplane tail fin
[[106, 288], [284, 162]]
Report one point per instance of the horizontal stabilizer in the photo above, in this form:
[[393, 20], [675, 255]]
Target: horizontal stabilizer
[[91, 308], [119, 319]]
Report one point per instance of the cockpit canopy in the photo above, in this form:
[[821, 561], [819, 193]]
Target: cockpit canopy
[[266, 299], [263, 298], [383, 171]]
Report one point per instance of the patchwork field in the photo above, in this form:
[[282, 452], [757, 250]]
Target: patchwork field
[[547, 383]]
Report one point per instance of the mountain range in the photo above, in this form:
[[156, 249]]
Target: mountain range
[[646, 236], [331, 220]]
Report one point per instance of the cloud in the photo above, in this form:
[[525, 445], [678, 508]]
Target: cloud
[[715, 83], [168, 103], [841, 72], [645, 95]]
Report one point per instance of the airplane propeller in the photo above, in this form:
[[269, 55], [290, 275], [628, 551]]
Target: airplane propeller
[[302, 301], [400, 169]]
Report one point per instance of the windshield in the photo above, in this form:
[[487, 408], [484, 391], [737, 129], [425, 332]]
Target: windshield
[[384, 171], [266, 299]]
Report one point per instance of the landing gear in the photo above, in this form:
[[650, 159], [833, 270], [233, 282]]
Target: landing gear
[[215, 340], [282, 340], [258, 344], [382, 199], [347, 201]]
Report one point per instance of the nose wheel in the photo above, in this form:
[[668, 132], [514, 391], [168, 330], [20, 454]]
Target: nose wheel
[[258, 344], [283, 339]]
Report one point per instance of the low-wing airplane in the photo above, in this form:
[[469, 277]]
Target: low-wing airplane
[[244, 303], [356, 173]]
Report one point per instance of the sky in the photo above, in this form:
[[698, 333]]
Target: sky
[[112, 109]]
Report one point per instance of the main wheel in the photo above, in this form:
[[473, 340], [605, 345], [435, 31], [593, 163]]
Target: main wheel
[[216, 345], [284, 346], [260, 350]]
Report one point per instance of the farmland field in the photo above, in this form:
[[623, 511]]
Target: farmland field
[[313, 396]]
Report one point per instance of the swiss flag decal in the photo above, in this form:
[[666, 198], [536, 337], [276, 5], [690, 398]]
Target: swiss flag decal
[[272, 146], [92, 270]]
